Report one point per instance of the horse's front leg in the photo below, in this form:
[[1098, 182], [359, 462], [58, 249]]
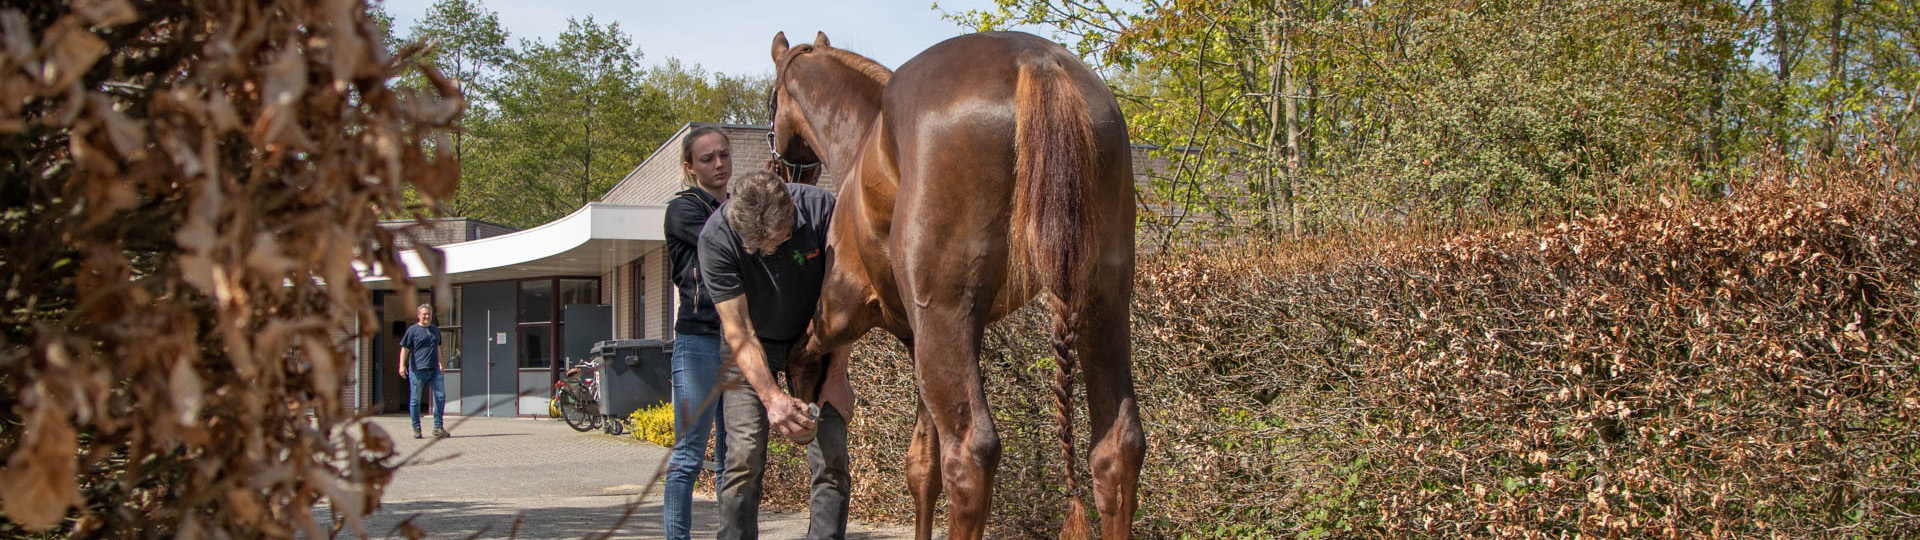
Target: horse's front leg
[[847, 309]]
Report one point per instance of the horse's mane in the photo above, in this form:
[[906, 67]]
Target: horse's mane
[[865, 65]]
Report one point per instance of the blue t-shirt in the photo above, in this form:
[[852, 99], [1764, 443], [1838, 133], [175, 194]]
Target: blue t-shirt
[[423, 347]]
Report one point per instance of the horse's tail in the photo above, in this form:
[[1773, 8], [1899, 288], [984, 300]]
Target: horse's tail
[[1053, 141]]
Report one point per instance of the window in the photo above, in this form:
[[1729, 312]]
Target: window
[[450, 347], [536, 301], [536, 346], [578, 291], [637, 300], [541, 310], [449, 318], [450, 309]]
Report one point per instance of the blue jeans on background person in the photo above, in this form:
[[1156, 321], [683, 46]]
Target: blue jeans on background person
[[417, 383], [696, 371]]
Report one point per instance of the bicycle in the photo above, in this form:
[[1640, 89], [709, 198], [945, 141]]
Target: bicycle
[[578, 396]]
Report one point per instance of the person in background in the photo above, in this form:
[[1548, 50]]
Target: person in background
[[420, 366], [766, 246], [706, 160]]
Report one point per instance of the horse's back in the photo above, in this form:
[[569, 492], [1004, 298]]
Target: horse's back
[[954, 115], [954, 106]]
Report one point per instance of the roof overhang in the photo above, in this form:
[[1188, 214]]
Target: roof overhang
[[589, 242]]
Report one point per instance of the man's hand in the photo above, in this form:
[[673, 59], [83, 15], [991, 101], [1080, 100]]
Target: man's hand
[[788, 416]]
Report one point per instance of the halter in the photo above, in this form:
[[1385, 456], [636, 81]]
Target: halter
[[793, 170]]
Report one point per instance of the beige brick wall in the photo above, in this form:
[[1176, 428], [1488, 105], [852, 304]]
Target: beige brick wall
[[442, 231], [350, 388], [658, 177], [654, 320], [659, 309]]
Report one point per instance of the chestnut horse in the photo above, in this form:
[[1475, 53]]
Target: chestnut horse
[[988, 170]]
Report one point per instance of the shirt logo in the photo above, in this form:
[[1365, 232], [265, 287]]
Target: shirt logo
[[800, 257]]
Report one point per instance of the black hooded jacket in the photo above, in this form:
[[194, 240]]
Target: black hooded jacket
[[686, 214]]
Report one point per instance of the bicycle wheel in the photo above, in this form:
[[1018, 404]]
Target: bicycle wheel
[[575, 412]]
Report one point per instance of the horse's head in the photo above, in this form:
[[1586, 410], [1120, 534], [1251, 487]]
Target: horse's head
[[807, 369], [793, 156]]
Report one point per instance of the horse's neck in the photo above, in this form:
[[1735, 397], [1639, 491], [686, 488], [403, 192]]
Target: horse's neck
[[841, 110]]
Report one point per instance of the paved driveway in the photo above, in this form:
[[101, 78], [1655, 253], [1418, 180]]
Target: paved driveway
[[537, 479]]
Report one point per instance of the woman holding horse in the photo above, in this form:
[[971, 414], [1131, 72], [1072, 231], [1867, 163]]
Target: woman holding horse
[[706, 160]]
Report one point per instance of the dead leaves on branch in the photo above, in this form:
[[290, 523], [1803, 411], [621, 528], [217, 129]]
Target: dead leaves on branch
[[1733, 369], [200, 181]]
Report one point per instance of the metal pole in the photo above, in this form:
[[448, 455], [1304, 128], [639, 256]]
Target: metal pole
[[489, 393]]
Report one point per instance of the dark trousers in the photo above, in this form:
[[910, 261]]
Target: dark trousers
[[746, 425]]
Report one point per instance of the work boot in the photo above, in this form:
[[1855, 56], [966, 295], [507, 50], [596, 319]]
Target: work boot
[[439, 433], [416, 433]]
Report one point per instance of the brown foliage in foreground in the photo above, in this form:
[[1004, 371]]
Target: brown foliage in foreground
[[188, 189], [1734, 369]]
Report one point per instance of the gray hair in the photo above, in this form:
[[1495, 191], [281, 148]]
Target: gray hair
[[760, 209], [428, 307]]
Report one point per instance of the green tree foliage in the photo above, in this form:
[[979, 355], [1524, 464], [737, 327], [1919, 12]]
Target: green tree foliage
[[698, 96], [574, 118], [1291, 116], [466, 42], [553, 126]]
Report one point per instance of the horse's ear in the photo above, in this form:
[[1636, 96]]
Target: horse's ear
[[779, 46], [820, 40]]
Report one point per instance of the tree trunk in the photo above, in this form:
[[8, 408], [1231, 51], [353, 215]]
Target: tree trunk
[[1279, 188], [1288, 90], [1786, 55], [1836, 76]]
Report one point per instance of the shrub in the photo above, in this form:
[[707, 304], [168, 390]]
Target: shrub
[[189, 189], [1741, 368], [653, 424]]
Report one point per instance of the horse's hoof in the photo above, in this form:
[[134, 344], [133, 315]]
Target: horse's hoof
[[803, 438]]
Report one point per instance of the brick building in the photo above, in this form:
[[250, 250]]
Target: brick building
[[518, 306]]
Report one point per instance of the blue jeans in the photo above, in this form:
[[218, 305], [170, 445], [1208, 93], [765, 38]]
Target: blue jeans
[[417, 383], [697, 362]]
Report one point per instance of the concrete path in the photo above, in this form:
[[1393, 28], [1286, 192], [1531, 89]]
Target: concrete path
[[538, 479]]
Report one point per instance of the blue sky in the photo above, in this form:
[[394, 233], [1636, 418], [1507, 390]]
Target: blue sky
[[731, 36]]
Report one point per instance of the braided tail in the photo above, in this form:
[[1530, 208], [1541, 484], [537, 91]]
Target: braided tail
[[1066, 332], [1053, 138]]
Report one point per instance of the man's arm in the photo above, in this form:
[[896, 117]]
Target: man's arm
[[785, 413], [403, 362]]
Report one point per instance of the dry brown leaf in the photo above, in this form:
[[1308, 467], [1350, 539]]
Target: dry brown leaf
[[221, 111], [376, 438], [69, 51], [106, 12], [286, 80], [129, 139], [16, 41], [411, 531], [265, 257], [39, 480], [188, 394]]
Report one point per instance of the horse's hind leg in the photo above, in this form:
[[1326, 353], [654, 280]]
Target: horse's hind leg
[[1119, 447], [947, 368], [923, 472]]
